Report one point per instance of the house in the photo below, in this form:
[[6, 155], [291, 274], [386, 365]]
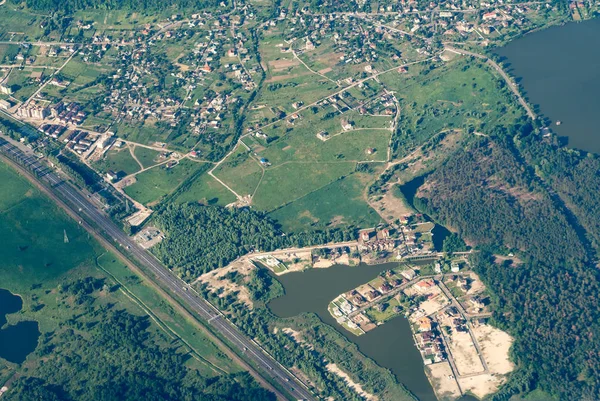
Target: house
[[323, 135], [264, 162], [112, 176], [347, 125], [408, 274], [5, 105], [424, 324], [455, 267], [365, 236], [424, 285]]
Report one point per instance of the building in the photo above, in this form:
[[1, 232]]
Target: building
[[408, 274], [6, 90], [112, 176], [424, 324], [365, 236], [347, 125], [5, 105], [34, 111]]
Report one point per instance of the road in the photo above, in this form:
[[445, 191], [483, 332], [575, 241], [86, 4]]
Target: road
[[202, 308]]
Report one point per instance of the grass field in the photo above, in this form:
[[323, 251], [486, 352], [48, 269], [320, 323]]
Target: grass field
[[153, 184], [459, 95], [340, 203], [118, 161], [286, 183], [32, 235], [147, 157], [241, 172], [208, 191], [36, 260]]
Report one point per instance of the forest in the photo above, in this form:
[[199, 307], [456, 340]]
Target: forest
[[548, 300], [202, 238], [104, 353]]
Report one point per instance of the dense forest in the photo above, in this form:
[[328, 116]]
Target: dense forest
[[202, 238], [548, 301], [146, 6], [107, 354]]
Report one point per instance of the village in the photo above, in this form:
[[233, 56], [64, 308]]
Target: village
[[447, 307]]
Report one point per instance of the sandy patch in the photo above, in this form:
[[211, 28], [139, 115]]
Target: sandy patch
[[125, 182], [434, 304], [323, 263], [480, 385], [465, 354], [216, 281], [295, 261], [477, 285], [443, 381], [333, 368], [495, 345]]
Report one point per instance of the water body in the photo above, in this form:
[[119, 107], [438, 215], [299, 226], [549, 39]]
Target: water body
[[18, 340], [390, 345], [559, 70]]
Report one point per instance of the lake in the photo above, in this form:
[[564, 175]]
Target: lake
[[390, 345], [18, 340], [559, 70]]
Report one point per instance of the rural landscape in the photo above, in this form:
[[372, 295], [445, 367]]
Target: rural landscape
[[282, 200]]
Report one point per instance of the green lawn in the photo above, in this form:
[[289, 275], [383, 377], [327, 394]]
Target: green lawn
[[154, 184], [207, 190], [32, 235], [339, 203]]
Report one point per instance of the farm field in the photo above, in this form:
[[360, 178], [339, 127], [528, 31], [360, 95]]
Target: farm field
[[154, 184], [340, 203]]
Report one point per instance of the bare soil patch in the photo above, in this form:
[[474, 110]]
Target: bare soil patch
[[495, 345], [216, 281], [443, 381]]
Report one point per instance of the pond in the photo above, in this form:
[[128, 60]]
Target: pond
[[390, 345], [19, 340], [559, 70]]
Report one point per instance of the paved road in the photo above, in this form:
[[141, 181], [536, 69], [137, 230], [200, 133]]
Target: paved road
[[85, 208]]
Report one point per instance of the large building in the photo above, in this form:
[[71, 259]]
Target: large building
[[6, 90]]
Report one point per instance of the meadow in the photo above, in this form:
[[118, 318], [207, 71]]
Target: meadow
[[154, 184], [207, 190], [38, 265], [118, 160], [340, 203]]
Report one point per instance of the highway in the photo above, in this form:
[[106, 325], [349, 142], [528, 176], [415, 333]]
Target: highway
[[211, 316]]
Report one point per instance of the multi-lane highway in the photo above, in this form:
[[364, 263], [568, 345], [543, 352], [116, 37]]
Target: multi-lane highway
[[83, 207]]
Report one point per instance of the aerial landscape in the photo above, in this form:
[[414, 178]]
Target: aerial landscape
[[256, 200]]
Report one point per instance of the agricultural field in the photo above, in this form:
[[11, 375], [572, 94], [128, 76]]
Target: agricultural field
[[152, 185], [340, 203]]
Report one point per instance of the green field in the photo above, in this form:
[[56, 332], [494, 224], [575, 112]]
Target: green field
[[339, 203], [32, 235], [154, 184], [147, 157], [36, 262], [118, 161], [286, 183], [241, 172], [208, 191]]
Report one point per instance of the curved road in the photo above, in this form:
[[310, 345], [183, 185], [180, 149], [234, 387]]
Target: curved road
[[205, 310]]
